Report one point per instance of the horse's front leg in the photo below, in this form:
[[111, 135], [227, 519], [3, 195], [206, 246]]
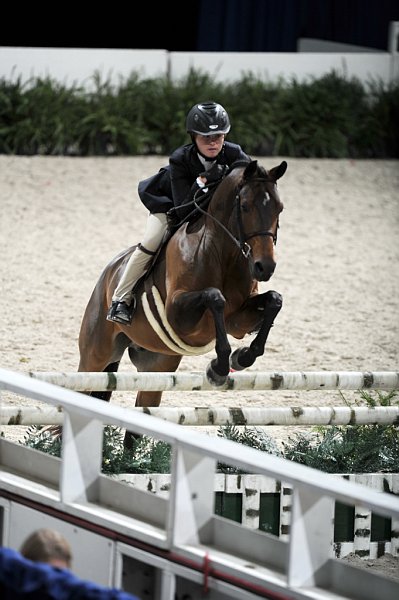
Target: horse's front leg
[[188, 309], [268, 305]]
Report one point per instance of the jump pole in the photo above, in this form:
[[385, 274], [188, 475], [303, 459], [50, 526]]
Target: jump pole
[[221, 416], [215, 416], [190, 382]]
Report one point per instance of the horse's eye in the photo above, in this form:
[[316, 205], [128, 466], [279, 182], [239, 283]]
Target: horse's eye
[[244, 207]]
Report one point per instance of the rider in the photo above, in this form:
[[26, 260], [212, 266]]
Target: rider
[[192, 166]]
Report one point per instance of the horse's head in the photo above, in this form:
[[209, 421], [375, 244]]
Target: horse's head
[[254, 217]]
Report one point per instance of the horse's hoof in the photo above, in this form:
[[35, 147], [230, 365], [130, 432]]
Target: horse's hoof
[[214, 378], [274, 299], [234, 362]]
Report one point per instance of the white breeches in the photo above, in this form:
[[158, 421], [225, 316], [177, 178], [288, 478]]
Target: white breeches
[[139, 261]]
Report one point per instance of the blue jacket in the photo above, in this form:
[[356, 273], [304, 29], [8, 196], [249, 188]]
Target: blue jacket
[[22, 579]]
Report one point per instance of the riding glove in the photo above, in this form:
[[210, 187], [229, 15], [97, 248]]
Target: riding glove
[[215, 173], [172, 218]]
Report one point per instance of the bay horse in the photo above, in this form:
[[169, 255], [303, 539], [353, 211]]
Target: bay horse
[[202, 288]]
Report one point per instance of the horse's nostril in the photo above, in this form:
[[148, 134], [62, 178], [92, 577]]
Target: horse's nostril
[[262, 271]]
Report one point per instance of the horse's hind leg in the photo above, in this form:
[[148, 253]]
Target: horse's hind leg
[[270, 303], [101, 350]]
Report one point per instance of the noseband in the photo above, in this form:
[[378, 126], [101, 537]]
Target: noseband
[[243, 238]]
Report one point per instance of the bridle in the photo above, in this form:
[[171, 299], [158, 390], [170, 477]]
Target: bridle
[[241, 241]]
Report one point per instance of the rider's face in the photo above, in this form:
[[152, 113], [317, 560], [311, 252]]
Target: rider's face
[[210, 145]]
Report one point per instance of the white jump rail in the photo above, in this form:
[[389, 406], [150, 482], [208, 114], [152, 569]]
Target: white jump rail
[[209, 416], [250, 380], [183, 529], [221, 416]]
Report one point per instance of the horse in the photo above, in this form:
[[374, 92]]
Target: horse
[[202, 287]]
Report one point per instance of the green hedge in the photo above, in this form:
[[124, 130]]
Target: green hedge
[[331, 116], [332, 449]]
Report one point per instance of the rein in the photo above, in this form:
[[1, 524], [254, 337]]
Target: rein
[[241, 242]]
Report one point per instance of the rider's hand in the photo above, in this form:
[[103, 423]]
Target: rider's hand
[[215, 173], [172, 218]]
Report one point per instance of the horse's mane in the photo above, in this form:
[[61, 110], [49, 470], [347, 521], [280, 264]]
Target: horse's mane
[[205, 200], [242, 163], [237, 164]]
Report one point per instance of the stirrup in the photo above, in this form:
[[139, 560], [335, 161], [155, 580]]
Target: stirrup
[[120, 312]]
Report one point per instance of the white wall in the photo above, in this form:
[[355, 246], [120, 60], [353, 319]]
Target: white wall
[[230, 66], [77, 66]]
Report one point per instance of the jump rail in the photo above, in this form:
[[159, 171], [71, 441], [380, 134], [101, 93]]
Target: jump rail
[[189, 382], [220, 416]]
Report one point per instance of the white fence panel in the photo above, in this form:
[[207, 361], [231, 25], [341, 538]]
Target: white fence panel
[[77, 65], [269, 66], [232, 560]]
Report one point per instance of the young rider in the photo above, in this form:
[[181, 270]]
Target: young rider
[[190, 168]]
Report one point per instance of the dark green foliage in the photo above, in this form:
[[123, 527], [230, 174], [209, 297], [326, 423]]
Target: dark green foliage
[[43, 440], [254, 108], [253, 437], [377, 398], [146, 456], [322, 118], [381, 126], [349, 449], [39, 118], [331, 116]]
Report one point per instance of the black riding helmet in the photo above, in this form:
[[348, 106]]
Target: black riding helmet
[[207, 118]]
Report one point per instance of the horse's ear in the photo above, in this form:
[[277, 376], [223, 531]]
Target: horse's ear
[[279, 171], [251, 169]]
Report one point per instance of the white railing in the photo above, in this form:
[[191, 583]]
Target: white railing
[[181, 536]]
